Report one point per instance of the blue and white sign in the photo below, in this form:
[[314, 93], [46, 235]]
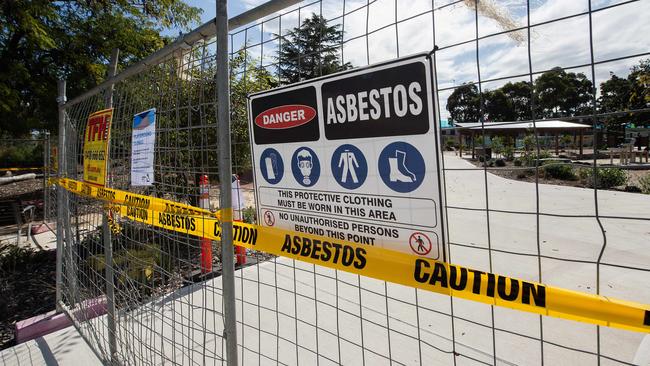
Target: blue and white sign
[[361, 153], [305, 166], [143, 142], [271, 166], [401, 167], [349, 166]]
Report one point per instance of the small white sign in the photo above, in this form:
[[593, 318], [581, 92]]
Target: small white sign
[[143, 142]]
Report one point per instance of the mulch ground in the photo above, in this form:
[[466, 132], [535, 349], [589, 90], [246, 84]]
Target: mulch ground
[[27, 277], [27, 287]]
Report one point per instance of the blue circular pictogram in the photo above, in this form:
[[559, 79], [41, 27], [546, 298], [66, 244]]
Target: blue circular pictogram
[[271, 166], [349, 166], [401, 167], [305, 166]]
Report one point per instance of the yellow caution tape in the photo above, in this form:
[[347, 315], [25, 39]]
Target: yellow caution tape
[[387, 265], [129, 199]]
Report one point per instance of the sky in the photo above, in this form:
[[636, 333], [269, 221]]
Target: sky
[[618, 32]]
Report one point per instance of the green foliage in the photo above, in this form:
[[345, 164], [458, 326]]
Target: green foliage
[[518, 95], [530, 143], [517, 162], [559, 171], [509, 152], [500, 162], [644, 184], [463, 104], [242, 83], [42, 41], [621, 94], [249, 215], [560, 93], [498, 106], [22, 155], [311, 50], [604, 177], [497, 145]]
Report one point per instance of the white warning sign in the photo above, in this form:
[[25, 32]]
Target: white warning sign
[[353, 156]]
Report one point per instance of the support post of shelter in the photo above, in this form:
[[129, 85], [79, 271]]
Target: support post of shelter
[[580, 144], [225, 178], [106, 231], [473, 146], [61, 193], [557, 144]]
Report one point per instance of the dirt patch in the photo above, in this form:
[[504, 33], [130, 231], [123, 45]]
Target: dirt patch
[[28, 192], [27, 287]]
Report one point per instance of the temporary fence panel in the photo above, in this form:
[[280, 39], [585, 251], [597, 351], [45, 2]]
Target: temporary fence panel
[[25, 156], [168, 310]]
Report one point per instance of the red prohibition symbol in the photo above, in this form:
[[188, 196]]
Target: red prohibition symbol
[[269, 219], [420, 243]]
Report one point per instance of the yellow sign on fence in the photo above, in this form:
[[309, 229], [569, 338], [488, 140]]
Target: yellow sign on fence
[[96, 143]]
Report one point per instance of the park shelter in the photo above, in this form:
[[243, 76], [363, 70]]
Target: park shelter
[[548, 127]]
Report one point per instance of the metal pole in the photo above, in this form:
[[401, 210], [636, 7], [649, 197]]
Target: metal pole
[[59, 197], [225, 171], [106, 230], [46, 175]]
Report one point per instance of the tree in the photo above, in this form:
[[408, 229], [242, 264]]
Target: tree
[[615, 96], [498, 106], [242, 83], [463, 103], [519, 95], [639, 80], [42, 41], [311, 50], [562, 94]]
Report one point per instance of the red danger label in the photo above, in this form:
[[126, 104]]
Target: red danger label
[[286, 116]]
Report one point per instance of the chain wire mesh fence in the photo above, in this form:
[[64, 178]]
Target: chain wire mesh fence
[[501, 219], [27, 156]]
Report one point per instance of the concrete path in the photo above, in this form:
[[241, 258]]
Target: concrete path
[[64, 347]]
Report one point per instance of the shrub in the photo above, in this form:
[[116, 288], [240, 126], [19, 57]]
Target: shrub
[[450, 144], [249, 215], [560, 171], [530, 158], [644, 184], [517, 162], [509, 152], [497, 145], [605, 177], [500, 162]]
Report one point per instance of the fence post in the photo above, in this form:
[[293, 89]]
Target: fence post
[[59, 196], [106, 230], [225, 176]]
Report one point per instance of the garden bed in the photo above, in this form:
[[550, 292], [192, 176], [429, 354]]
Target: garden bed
[[566, 173]]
